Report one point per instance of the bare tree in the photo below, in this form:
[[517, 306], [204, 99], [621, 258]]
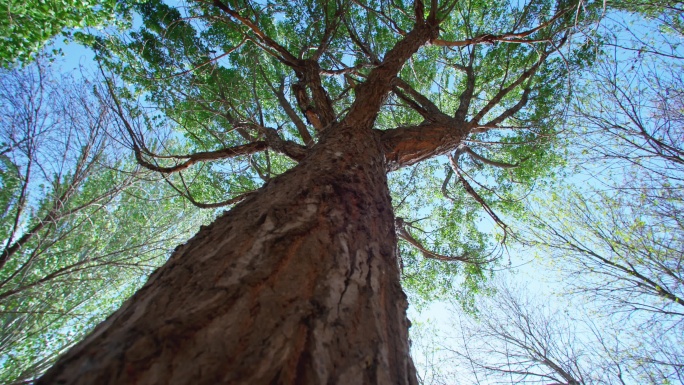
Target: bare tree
[[522, 338], [519, 340]]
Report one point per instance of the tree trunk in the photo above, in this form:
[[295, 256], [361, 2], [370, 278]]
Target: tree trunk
[[297, 284]]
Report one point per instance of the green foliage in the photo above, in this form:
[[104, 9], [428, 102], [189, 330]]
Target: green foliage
[[9, 186], [667, 12], [26, 26], [81, 270]]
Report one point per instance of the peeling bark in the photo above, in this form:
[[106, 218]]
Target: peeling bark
[[297, 284]]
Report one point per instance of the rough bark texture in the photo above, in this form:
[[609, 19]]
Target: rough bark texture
[[297, 284], [405, 146]]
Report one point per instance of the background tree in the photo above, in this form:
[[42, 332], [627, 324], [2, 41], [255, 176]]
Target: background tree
[[340, 94], [628, 260], [78, 229], [523, 338]]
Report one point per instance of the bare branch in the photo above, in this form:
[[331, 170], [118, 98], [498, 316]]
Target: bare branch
[[203, 156]]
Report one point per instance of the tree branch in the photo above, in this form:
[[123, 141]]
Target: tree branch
[[320, 113], [204, 156], [409, 145], [404, 234], [453, 161], [291, 113], [273, 141], [284, 55], [509, 37], [371, 94]]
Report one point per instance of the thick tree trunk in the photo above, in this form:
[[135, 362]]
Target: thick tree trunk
[[297, 284]]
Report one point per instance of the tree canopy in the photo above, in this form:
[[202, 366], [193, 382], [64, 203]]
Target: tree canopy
[[221, 97]]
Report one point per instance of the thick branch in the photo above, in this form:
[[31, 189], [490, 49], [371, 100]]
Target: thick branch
[[305, 105], [409, 145], [203, 156], [282, 146], [371, 94], [467, 95], [319, 111]]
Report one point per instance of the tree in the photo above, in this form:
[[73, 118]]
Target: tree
[[522, 340], [77, 229], [300, 280]]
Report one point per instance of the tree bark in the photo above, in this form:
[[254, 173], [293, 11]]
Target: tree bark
[[297, 284]]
